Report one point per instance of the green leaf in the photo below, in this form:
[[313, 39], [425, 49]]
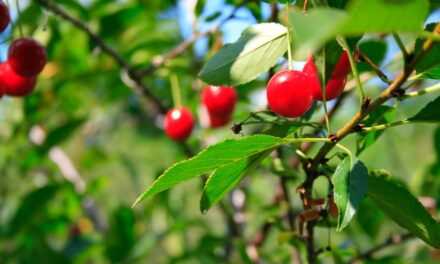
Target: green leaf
[[212, 158], [31, 206], [226, 178], [259, 48], [381, 115], [121, 237], [350, 182], [326, 60], [403, 208], [308, 32], [385, 16], [430, 64], [375, 50], [429, 113]]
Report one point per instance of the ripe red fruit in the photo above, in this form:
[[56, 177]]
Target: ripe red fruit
[[27, 57], [4, 16], [218, 120], [289, 93], [219, 100], [333, 88], [342, 68], [14, 84], [179, 123]]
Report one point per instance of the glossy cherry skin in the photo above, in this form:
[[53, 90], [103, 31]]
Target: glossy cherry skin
[[289, 94], [179, 123], [27, 57], [333, 88], [342, 68], [216, 121], [219, 100], [14, 84], [4, 16]]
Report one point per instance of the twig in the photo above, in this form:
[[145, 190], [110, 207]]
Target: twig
[[138, 84], [367, 107], [382, 98], [182, 47], [375, 68], [393, 240]]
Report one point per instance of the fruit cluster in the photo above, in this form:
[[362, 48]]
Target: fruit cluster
[[219, 102], [26, 59], [291, 93]]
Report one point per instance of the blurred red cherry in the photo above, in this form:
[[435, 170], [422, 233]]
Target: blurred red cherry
[[14, 84], [219, 100], [179, 123], [27, 57]]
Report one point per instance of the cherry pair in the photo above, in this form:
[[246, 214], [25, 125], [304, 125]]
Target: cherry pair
[[291, 93], [219, 102], [26, 59]]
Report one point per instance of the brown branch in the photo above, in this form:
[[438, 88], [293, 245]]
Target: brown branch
[[382, 98], [393, 240], [348, 128], [138, 84], [375, 68]]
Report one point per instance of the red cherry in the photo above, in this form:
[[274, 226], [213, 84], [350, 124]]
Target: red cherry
[[343, 67], [216, 121], [14, 84], [4, 16], [27, 57], [333, 88], [179, 123], [219, 100], [289, 94]]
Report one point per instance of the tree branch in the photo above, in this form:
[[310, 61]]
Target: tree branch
[[382, 98], [138, 84]]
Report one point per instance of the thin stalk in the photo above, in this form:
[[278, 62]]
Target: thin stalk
[[393, 124], [429, 35], [354, 70], [375, 68], [431, 89], [311, 140], [415, 77], [175, 90], [345, 149], [289, 48], [400, 44]]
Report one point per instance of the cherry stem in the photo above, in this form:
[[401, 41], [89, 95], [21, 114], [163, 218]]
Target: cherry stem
[[20, 29], [345, 149], [429, 35], [353, 69], [175, 90], [428, 90], [393, 124], [289, 48]]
